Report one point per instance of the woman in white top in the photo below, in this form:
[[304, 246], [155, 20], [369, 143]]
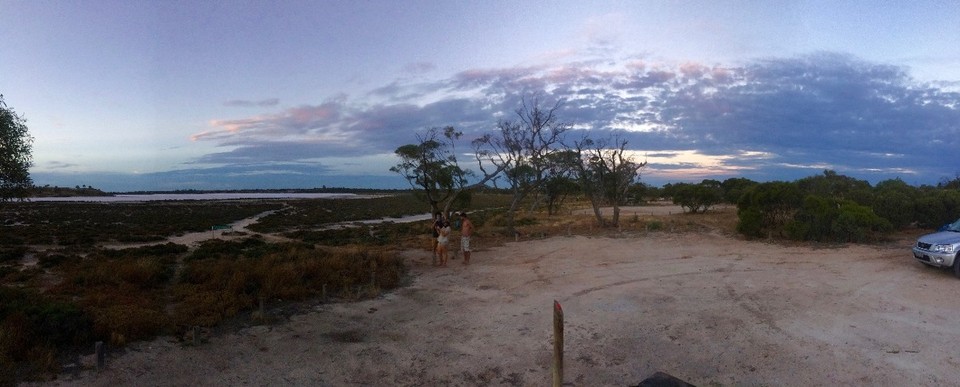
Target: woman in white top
[[443, 241]]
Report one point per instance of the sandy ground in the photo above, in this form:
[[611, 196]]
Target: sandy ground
[[708, 308]]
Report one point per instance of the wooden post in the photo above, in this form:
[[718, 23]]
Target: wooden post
[[101, 357], [196, 335], [323, 292], [557, 344], [263, 315]]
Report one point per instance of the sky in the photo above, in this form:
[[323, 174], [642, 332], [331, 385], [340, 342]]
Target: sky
[[162, 95]]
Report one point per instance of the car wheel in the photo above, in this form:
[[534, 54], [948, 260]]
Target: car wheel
[[956, 265]]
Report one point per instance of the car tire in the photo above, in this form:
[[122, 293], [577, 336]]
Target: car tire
[[956, 265]]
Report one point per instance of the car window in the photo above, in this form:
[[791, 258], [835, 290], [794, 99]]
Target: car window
[[955, 226]]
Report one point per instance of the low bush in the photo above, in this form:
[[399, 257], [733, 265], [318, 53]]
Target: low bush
[[52, 259], [340, 236], [213, 287], [32, 328]]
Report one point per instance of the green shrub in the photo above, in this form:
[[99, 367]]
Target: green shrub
[[895, 201], [767, 208], [31, 320], [697, 198], [857, 223], [654, 225], [814, 221], [934, 208], [750, 222]]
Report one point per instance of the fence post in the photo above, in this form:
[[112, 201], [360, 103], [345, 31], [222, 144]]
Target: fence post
[[557, 344], [101, 357], [263, 315]]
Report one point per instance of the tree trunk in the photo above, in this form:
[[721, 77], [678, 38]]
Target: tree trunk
[[596, 211], [511, 215], [616, 214]]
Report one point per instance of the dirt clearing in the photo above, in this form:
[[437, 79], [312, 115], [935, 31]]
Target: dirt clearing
[[707, 308]]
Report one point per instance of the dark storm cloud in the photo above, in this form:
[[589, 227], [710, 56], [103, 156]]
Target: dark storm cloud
[[804, 114], [821, 109]]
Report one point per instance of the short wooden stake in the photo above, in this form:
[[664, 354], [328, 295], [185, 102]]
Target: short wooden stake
[[323, 292], [557, 344], [196, 335], [101, 357], [263, 315]]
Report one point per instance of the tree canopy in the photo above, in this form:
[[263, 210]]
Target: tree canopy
[[15, 154]]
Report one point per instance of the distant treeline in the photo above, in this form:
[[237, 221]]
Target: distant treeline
[[55, 191]]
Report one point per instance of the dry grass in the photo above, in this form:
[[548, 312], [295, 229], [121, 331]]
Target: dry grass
[[581, 221], [215, 287]]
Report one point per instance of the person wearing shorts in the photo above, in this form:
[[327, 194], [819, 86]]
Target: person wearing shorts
[[443, 241], [466, 231]]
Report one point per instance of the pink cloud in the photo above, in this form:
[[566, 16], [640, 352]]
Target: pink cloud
[[693, 70], [294, 121]]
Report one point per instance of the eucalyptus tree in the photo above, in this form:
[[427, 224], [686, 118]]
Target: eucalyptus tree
[[15, 155], [605, 172], [522, 149], [560, 179], [432, 169]]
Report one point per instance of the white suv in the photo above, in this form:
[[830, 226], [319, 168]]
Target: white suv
[[940, 249]]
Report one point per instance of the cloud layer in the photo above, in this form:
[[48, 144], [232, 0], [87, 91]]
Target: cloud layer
[[769, 119]]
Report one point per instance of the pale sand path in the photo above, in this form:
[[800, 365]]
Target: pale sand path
[[707, 308]]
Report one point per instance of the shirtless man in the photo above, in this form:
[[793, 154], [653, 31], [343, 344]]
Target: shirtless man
[[437, 225], [466, 231]]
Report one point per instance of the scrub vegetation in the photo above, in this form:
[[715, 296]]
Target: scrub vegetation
[[829, 207], [73, 273]]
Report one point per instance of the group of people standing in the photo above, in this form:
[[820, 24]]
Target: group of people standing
[[441, 235]]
